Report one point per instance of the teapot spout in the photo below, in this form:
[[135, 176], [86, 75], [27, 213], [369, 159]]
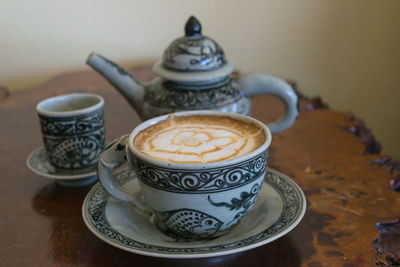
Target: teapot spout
[[122, 80]]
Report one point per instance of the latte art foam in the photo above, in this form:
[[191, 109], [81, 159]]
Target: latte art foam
[[199, 139]]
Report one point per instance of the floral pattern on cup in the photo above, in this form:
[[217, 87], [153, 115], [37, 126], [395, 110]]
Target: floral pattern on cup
[[209, 180], [73, 139]]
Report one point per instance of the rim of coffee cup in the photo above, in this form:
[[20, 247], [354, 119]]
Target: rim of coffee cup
[[43, 106], [163, 163]]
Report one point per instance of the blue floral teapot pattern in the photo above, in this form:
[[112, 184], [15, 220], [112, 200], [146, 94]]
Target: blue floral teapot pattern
[[194, 74]]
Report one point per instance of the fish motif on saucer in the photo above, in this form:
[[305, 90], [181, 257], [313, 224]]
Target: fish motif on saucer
[[280, 207]]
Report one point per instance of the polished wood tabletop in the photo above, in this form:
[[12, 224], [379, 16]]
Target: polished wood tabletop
[[331, 155]]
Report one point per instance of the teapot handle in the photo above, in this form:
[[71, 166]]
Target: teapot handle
[[255, 84]]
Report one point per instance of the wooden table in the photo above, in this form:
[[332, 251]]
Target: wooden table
[[41, 222]]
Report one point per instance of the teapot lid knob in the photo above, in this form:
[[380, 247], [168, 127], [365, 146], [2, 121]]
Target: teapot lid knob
[[192, 27], [193, 57]]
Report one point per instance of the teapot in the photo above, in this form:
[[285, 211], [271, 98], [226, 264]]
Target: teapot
[[195, 74]]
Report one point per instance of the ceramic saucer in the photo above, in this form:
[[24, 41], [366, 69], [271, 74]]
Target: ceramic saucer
[[38, 163], [280, 207]]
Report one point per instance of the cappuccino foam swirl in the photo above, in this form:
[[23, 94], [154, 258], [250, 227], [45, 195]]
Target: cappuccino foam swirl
[[200, 141]]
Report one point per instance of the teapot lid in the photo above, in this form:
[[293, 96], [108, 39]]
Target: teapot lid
[[193, 57]]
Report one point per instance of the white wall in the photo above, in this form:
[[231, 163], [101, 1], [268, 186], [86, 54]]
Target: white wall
[[347, 51]]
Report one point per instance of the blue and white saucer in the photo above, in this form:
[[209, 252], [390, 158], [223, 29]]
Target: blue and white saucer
[[280, 207], [38, 163]]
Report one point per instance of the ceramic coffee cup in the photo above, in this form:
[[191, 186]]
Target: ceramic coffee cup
[[73, 130], [189, 200]]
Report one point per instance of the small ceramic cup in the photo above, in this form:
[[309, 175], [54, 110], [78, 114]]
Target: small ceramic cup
[[73, 130], [186, 200]]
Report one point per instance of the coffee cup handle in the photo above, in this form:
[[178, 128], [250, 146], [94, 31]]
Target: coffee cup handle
[[255, 84], [114, 155]]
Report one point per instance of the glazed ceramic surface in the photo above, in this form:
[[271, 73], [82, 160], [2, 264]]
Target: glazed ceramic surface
[[38, 162], [73, 130], [195, 74], [205, 203], [279, 208], [198, 201]]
